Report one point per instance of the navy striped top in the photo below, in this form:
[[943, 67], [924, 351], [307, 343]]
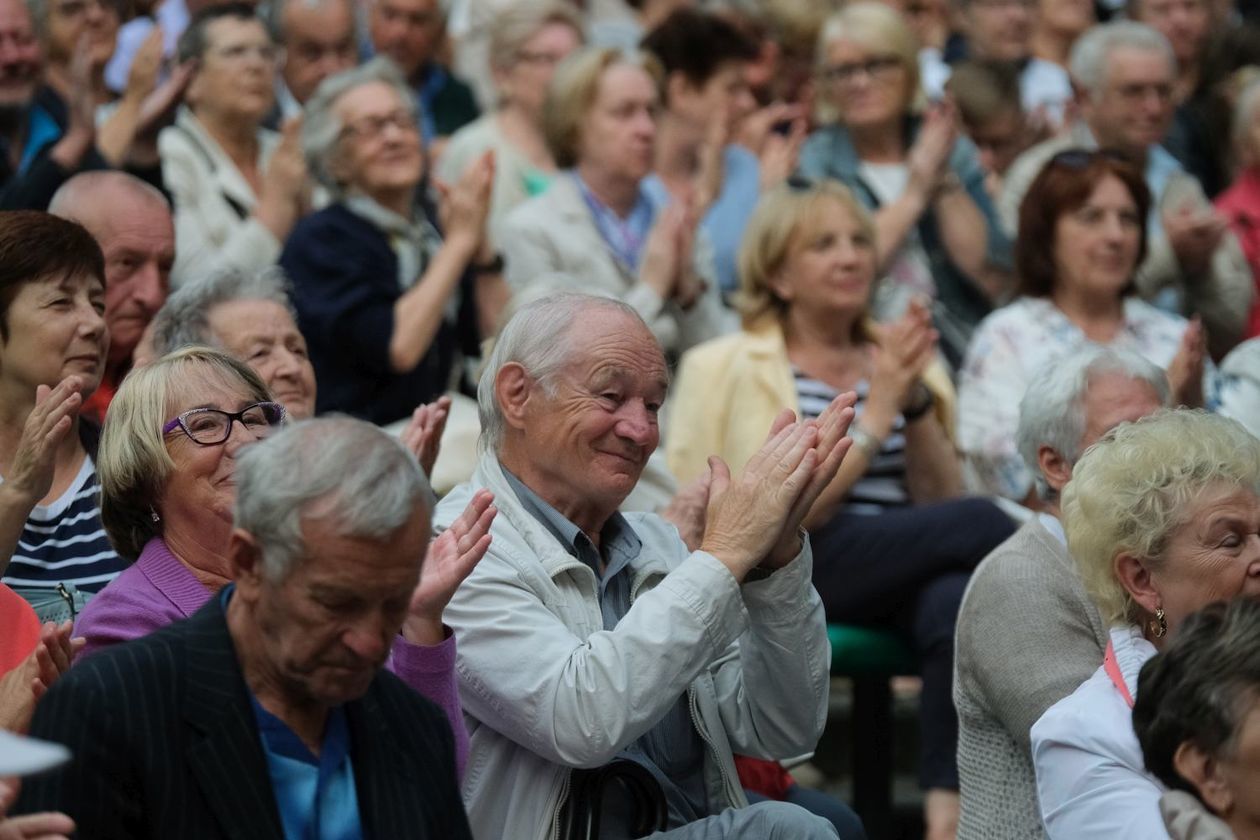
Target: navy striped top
[[883, 485], [64, 542]]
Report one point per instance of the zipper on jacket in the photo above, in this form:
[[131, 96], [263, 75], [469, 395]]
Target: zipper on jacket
[[704, 736], [564, 793]]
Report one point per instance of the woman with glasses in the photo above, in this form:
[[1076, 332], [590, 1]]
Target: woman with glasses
[[385, 300], [168, 459], [938, 231], [527, 41], [237, 187], [1082, 234]]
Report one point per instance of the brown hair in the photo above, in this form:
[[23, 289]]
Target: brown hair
[[36, 246], [1064, 184]]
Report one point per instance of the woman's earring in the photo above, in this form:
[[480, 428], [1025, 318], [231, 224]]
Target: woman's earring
[[1160, 625], [154, 514]]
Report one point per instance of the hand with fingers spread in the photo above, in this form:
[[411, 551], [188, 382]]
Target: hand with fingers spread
[[49, 825], [452, 556], [21, 688], [31, 476], [423, 433]]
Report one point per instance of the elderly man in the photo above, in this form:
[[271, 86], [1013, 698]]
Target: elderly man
[[267, 714], [131, 221], [1124, 74], [588, 636], [1010, 669], [319, 39]]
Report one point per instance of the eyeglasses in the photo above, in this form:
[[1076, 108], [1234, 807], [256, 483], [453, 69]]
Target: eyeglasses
[[211, 427], [1083, 158], [541, 58], [374, 125], [878, 69]]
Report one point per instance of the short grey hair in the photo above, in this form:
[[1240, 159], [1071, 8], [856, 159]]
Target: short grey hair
[[1052, 411], [1087, 62], [185, 317], [321, 127], [87, 188], [364, 481], [538, 338], [273, 15]]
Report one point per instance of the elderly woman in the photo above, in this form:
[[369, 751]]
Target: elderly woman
[[168, 456], [237, 187], [527, 41], [1240, 204], [1197, 718], [938, 230], [1161, 517], [888, 550], [1081, 237], [384, 301], [597, 225], [53, 345]]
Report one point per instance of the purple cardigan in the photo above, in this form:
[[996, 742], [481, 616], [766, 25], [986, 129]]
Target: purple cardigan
[[158, 589]]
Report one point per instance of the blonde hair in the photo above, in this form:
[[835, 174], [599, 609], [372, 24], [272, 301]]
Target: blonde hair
[[775, 228], [875, 27], [572, 92], [132, 463], [516, 25], [1132, 489]]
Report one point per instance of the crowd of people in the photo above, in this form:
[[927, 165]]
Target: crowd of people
[[465, 419]]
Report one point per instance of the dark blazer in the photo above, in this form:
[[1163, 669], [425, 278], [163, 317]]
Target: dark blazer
[[165, 746]]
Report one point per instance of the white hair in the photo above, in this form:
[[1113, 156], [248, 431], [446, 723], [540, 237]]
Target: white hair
[[363, 480], [185, 317], [1052, 412], [1087, 62], [538, 338]]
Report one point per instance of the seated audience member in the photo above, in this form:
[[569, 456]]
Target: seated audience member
[[238, 188], [24, 756], [1240, 204], [1057, 25], [1081, 238], [46, 655], [558, 672], [168, 466], [1240, 385], [317, 39], [1008, 671], [411, 32], [53, 348], [597, 223], [1161, 517], [1191, 253], [527, 42], [938, 231], [986, 94], [618, 31], [250, 315], [131, 221], [1196, 717], [146, 16], [374, 284], [808, 264], [703, 99], [284, 724]]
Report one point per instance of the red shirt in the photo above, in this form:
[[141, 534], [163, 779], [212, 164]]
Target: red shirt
[[1240, 204], [21, 629]]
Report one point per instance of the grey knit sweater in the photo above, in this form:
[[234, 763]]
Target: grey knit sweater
[[1028, 636]]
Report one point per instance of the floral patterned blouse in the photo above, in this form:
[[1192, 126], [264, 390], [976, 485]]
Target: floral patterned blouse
[[1008, 348]]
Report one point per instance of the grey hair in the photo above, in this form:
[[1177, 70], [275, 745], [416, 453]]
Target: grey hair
[[1052, 411], [69, 199], [364, 481], [185, 317], [321, 127], [1087, 63], [538, 337], [273, 15]]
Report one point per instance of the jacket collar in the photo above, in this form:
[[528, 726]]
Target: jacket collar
[[1131, 650], [224, 171]]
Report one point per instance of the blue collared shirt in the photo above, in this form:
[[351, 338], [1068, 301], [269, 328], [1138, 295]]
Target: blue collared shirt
[[626, 236]]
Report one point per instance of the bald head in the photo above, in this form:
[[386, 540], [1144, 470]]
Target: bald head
[[132, 223]]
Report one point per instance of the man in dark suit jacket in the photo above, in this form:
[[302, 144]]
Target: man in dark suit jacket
[[267, 714]]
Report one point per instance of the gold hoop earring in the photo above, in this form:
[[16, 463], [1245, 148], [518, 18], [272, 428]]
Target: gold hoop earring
[[1159, 627]]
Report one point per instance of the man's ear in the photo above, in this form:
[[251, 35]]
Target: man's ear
[[513, 387], [676, 86], [245, 558], [1203, 772], [1056, 469], [1135, 577]]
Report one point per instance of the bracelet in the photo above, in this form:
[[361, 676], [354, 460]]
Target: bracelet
[[866, 443], [923, 403]]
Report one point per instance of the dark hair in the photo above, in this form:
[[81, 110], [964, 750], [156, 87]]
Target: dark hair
[[193, 43], [36, 246], [1064, 184], [1200, 688], [697, 44]]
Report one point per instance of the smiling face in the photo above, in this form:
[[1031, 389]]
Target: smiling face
[[262, 334], [1096, 245], [56, 328], [830, 263], [618, 131], [379, 152]]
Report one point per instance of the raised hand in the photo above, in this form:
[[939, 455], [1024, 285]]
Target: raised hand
[[780, 154], [46, 427], [686, 511], [928, 160], [423, 433], [452, 556], [465, 205], [21, 688], [1185, 372]]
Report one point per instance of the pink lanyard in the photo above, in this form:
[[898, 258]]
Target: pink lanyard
[[1112, 667]]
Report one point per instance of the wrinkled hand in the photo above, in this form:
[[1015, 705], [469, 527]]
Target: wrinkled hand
[[465, 206], [423, 433], [686, 511], [452, 556], [46, 826], [1194, 236], [1185, 372], [928, 160], [46, 427], [21, 688]]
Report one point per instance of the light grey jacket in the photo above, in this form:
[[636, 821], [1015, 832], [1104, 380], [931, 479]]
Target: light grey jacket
[[546, 689]]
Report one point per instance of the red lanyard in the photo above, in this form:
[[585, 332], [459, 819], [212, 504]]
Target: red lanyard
[[1112, 667]]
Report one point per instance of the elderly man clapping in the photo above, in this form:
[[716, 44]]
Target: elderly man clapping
[[588, 636]]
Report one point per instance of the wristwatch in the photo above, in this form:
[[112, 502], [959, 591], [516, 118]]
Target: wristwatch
[[866, 443], [921, 401]]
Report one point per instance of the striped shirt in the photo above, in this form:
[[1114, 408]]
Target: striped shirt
[[883, 485], [64, 542]]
